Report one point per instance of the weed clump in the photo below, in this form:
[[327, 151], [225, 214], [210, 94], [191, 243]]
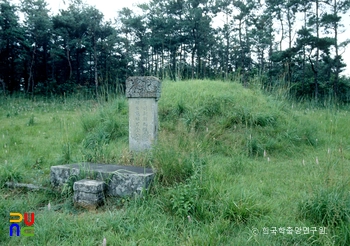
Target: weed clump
[[107, 125], [10, 173], [327, 206], [242, 210], [175, 167], [31, 121], [183, 198]]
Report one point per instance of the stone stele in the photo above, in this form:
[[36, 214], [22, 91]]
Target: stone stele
[[143, 94]]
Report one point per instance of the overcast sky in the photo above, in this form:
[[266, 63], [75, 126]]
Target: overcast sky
[[109, 8]]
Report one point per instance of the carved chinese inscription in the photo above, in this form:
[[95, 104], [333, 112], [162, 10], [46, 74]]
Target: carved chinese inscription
[[143, 112]]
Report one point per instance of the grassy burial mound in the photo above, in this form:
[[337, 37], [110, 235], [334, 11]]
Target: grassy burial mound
[[233, 164]]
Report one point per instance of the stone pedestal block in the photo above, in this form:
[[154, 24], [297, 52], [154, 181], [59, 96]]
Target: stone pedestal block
[[89, 193]]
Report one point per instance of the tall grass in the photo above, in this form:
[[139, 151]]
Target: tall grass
[[103, 127]]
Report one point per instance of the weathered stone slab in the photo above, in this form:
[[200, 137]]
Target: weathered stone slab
[[143, 123], [143, 87], [89, 193], [22, 185], [143, 94], [120, 180]]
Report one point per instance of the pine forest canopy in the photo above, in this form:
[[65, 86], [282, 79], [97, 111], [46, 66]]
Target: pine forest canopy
[[76, 48]]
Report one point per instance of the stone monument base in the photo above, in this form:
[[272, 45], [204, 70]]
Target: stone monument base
[[119, 180], [89, 193]]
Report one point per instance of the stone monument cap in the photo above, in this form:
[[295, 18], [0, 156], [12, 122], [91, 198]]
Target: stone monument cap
[[143, 87]]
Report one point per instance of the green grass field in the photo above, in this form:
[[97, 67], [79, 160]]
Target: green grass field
[[232, 165]]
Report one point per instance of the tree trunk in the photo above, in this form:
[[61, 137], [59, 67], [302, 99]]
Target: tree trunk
[[240, 42], [227, 48], [173, 61], [317, 52], [3, 86], [192, 62], [282, 35], [69, 63], [304, 51], [31, 79], [337, 58], [95, 66], [289, 69]]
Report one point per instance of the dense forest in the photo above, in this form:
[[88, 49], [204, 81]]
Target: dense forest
[[288, 43]]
